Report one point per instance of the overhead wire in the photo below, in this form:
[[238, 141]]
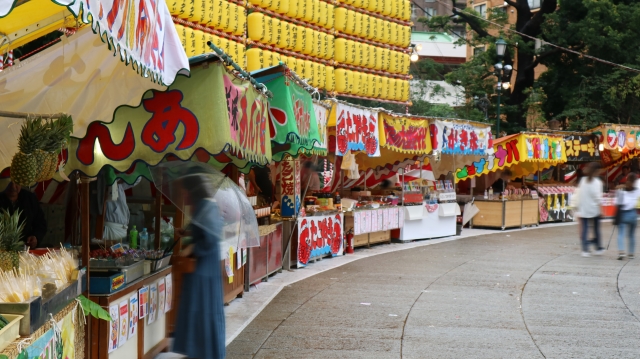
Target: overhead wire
[[597, 59]]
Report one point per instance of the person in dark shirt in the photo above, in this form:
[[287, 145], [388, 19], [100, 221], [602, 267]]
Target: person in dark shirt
[[260, 179], [502, 183], [35, 225]]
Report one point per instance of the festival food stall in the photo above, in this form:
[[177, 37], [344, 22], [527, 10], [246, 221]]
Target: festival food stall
[[618, 144], [431, 206], [298, 132], [523, 154], [39, 89]]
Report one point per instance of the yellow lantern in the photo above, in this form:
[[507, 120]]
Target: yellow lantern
[[322, 76], [292, 11], [323, 7], [366, 55], [371, 85], [254, 59], [330, 79], [359, 54], [198, 9], [331, 16], [351, 22], [200, 42], [242, 21], [310, 13], [302, 9], [293, 36], [341, 19], [372, 6], [357, 29], [367, 27], [358, 3], [342, 81], [330, 46], [226, 16], [308, 42], [317, 9], [175, 7], [187, 9], [383, 32], [388, 4], [375, 58], [255, 26], [269, 35], [357, 83], [299, 37], [190, 42], [276, 30], [280, 6]]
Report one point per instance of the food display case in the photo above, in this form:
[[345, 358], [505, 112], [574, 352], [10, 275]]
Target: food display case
[[553, 200]]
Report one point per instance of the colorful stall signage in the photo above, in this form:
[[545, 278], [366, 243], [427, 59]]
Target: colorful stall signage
[[460, 138], [58, 342], [319, 236], [292, 118], [211, 110], [617, 137], [581, 148], [356, 130], [290, 187], [404, 134], [141, 32], [532, 152], [555, 207], [322, 116], [376, 220]]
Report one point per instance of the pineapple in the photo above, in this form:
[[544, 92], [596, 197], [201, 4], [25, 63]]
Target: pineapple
[[10, 239], [24, 165], [57, 139]]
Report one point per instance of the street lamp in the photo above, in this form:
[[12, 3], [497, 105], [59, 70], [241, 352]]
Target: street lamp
[[501, 71]]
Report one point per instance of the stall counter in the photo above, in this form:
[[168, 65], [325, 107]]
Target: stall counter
[[428, 221], [506, 214]]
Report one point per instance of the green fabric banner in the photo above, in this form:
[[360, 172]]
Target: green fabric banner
[[293, 126]]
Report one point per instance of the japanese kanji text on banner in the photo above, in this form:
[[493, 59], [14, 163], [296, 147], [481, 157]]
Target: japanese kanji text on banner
[[460, 138], [319, 236], [357, 130]]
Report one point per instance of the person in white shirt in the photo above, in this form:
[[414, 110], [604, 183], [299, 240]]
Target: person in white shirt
[[589, 207], [627, 200]]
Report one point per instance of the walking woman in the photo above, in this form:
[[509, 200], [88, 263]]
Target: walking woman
[[200, 328], [627, 200], [589, 207]]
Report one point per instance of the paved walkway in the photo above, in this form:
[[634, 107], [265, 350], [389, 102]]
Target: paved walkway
[[525, 294]]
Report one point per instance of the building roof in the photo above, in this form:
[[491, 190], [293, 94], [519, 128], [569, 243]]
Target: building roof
[[431, 36]]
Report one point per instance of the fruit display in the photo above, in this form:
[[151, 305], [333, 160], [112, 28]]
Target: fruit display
[[10, 240], [39, 145], [3, 322], [24, 164]]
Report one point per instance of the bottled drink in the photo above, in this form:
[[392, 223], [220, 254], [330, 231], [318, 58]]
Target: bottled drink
[[133, 238], [144, 239], [337, 202], [486, 196], [490, 193]]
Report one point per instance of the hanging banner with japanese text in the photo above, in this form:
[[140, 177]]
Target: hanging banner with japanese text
[[581, 148], [319, 236], [322, 116], [211, 111], [452, 137], [290, 187], [140, 31], [530, 152], [293, 119], [356, 130], [404, 134]]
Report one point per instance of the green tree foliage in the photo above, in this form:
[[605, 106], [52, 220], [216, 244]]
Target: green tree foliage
[[583, 93], [476, 74]]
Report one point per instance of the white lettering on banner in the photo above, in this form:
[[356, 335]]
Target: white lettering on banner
[[460, 138], [319, 236], [357, 129]]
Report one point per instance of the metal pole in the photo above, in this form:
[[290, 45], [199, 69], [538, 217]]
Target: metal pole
[[498, 108]]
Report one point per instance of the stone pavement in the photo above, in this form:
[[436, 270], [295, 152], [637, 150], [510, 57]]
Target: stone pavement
[[524, 294]]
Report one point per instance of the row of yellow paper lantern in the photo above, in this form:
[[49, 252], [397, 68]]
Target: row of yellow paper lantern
[[282, 34], [317, 74], [399, 9], [371, 28], [368, 85], [373, 57], [216, 14], [194, 43], [316, 12]]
